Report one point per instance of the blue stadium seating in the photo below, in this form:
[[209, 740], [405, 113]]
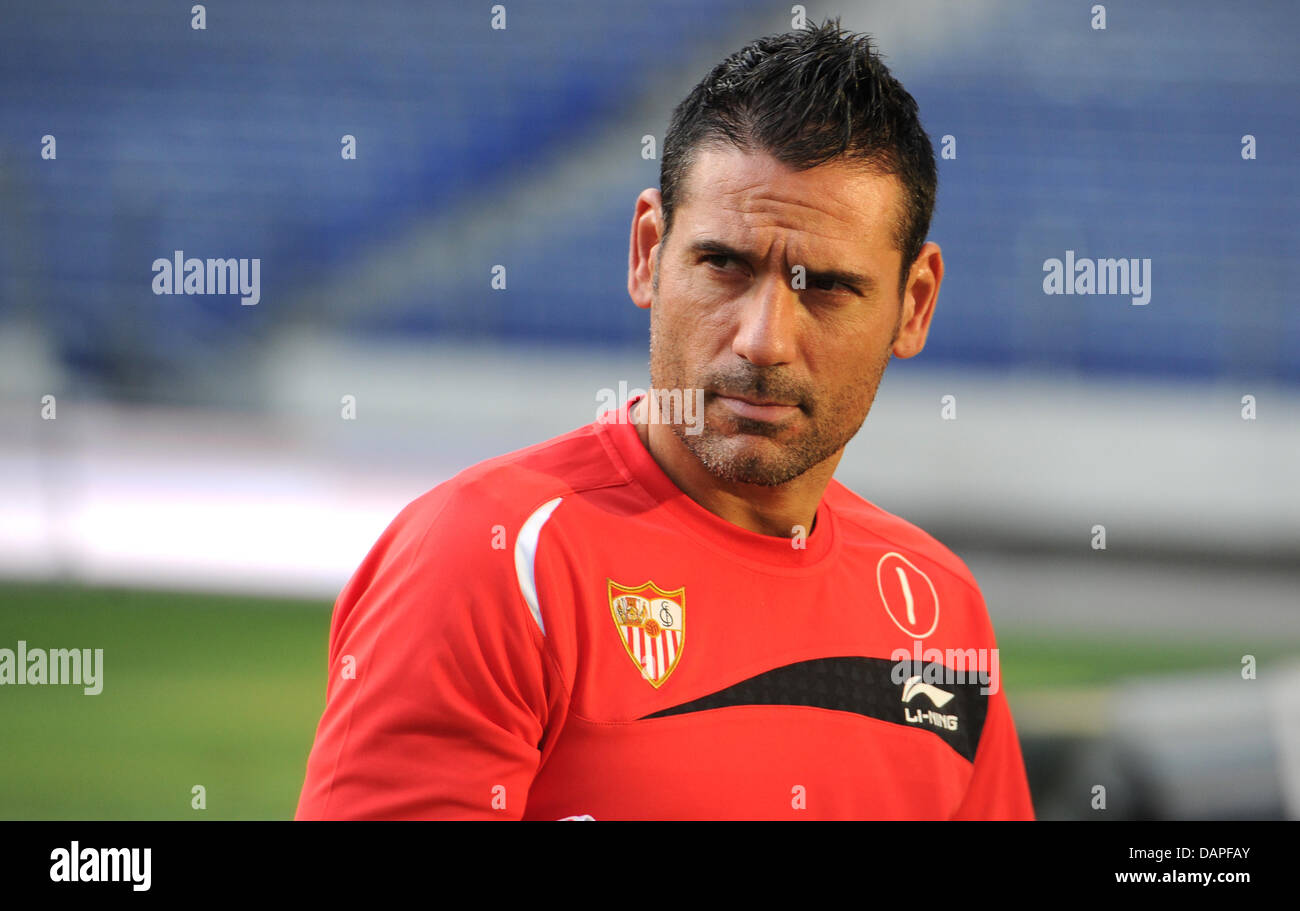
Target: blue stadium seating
[[225, 142]]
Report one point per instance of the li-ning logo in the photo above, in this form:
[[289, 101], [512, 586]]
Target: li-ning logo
[[912, 688], [213, 276]]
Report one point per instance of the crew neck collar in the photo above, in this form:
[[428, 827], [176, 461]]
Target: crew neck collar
[[766, 551]]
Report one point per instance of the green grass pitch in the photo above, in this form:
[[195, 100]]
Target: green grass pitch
[[225, 692]]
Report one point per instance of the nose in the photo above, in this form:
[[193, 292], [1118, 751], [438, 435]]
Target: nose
[[765, 334]]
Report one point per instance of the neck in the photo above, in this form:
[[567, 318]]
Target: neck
[[781, 511]]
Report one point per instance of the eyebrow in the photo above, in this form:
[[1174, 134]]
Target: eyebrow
[[864, 283]]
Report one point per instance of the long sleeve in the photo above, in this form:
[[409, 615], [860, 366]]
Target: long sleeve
[[439, 691], [999, 788]]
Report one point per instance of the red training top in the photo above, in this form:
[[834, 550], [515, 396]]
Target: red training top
[[562, 632]]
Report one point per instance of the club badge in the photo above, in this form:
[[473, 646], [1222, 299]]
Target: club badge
[[651, 623]]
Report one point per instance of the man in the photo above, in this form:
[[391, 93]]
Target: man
[[681, 615]]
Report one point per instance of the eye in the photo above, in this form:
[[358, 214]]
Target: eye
[[717, 260], [829, 285]]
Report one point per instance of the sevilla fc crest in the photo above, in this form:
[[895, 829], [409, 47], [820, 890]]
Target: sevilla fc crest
[[651, 622]]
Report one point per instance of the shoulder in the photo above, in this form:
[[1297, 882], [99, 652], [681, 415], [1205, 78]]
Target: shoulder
[[500, 495], [470, 541], [865, 520]]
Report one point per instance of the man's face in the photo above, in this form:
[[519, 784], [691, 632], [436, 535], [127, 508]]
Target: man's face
[[788, 373]]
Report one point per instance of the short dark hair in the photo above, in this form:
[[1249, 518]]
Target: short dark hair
[[807, 97]]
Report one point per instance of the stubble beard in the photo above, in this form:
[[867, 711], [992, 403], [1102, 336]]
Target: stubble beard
[[729, 452]]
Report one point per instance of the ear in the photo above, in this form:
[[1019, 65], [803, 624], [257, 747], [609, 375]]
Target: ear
[[919, 297], [644, 246]]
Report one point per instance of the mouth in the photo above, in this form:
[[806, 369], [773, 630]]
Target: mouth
[[757, 409]]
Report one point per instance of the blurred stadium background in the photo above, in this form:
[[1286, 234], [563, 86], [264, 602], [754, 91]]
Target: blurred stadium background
[[198, 501]]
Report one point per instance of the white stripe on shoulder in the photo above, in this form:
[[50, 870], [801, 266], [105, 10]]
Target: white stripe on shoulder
[[526, 556]]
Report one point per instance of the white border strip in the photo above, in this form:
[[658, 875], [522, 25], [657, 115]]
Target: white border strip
[[526, 556]]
